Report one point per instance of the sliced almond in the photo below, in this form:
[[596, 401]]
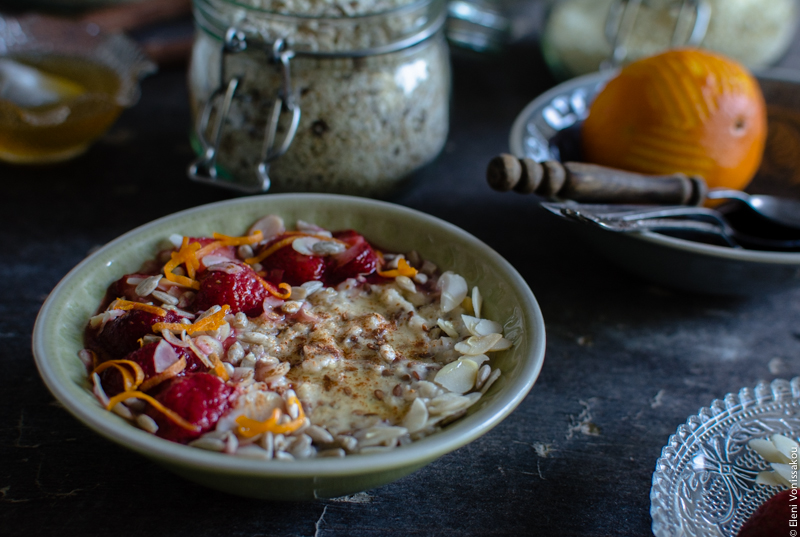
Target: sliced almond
[[475, 345], [481, 327], [458, 377], [270, 226], [416, 417], [447, 327], [454, 290]]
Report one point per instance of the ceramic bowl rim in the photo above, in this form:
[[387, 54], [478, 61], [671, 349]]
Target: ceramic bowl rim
[[421, 452]]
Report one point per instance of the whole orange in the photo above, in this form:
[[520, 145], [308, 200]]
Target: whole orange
[[684, 110]]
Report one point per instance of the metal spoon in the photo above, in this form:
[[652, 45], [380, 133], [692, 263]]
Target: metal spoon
[[785, 212]]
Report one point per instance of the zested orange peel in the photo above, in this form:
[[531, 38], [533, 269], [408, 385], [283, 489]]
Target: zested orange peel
[[684, 110], [249, 428], [133, 381]]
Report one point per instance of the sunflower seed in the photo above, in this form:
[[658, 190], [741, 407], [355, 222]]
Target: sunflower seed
[[267, 443], [122, 411], [209, 444], [483, 374], [252, 451], [405, 283], [328, 248], [348, 443], [299, 293], [147, 423], [165, 298], [302, 448], [304, 245], [335, 452], [319, 435], [312, 287], [235, 353], [374, 436], [231, 443], [375, 449], [148, 285], [254, 338]]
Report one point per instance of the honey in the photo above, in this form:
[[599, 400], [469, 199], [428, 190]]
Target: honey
[[57, 109]]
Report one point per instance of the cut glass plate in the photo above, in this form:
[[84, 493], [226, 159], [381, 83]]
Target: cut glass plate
[[704, 482]]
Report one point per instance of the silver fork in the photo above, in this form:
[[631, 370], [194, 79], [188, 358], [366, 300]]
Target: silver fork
[[634, 222]]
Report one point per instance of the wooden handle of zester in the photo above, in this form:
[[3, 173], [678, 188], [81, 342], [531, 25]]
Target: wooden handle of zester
[[590, 183]]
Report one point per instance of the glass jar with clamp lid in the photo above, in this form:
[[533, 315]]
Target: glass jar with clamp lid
[[298, 95]]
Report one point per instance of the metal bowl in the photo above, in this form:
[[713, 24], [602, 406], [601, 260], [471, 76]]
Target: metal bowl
[[545, 130]]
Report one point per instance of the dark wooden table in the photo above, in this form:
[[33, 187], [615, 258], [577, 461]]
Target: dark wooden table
[[627, 362]]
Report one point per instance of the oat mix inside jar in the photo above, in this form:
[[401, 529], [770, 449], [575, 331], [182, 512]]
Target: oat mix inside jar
[[314, 95]]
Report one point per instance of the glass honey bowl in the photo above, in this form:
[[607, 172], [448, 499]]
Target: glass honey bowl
[[62, 85]]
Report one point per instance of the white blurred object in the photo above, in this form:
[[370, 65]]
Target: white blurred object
[[582, 35], [28, 87]]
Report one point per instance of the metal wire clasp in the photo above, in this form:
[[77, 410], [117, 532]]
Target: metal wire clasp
[[622, 18], [284, 99], [204, 169]]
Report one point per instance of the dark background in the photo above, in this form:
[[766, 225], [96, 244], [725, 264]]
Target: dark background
[[627, 361]]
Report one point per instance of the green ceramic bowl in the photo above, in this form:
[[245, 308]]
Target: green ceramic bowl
[[57, 338]]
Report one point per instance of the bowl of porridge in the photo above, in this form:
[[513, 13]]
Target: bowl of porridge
[[292, 346]]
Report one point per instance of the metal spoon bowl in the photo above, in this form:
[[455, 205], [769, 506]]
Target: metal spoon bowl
[[783, 211]]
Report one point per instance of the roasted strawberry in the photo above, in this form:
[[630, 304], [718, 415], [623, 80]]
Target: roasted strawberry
[[121, 336], [771, 519], [290, 266], [199, 398], [153, 358], [358, 260], [234, 284]]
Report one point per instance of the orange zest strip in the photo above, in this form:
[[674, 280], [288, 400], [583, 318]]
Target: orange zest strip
[[167, 374], [403, 269], [186, 256], [274, 291], [219, 369], [271, 250], [292, 236], [256, 237], [212, 322], [172, 415], [129, 381], [208, 248], [94, 358], [248, 427], [122, 304]]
